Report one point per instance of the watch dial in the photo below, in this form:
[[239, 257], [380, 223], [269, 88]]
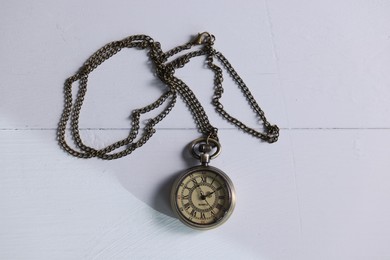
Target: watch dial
[[203, 197]]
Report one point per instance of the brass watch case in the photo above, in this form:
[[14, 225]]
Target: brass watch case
[[230, 192]]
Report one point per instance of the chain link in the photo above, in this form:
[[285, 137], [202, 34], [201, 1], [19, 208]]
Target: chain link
[[165, 71]]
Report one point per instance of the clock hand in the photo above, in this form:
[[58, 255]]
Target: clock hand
[[198, 188], [207, 202], [209, 194]]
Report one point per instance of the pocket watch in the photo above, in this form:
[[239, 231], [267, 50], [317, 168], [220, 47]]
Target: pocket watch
[[203, 197]]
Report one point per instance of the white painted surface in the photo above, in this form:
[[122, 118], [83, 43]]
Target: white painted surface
[[319, 70]]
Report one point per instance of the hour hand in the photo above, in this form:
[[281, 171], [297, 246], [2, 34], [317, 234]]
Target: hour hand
[[198, 187], [209, 194]]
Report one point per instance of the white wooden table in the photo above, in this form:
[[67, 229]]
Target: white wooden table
[[319, 69]]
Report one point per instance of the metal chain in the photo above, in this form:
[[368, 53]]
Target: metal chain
[[165, 71]]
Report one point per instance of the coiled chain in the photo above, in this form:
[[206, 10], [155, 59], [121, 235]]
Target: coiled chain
[[165, 71]]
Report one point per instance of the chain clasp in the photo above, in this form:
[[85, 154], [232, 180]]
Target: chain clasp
[[202, 38]]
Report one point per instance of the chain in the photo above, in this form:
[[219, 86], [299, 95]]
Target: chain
[[165, 71]]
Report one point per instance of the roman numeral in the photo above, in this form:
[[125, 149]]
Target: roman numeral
[[221, 197], [219, 206], [202, 215], [193, 213], [186, 206], [185, 197], [213, 179]]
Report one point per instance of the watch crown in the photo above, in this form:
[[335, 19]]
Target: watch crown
[[204, 158]]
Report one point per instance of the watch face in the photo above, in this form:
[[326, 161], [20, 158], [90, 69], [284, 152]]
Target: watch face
[[203, 197]]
